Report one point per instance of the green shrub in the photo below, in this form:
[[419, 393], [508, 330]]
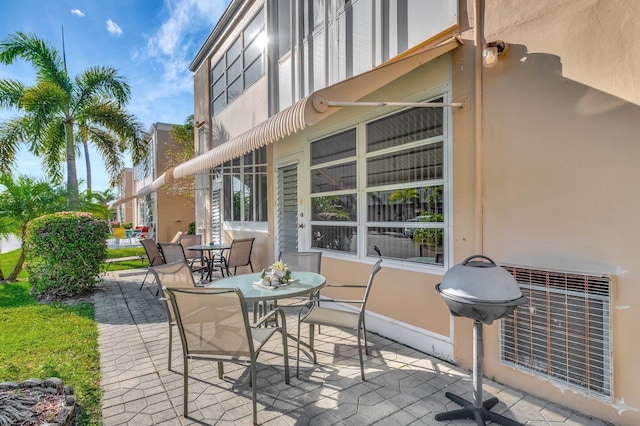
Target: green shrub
[[64, 253], [127, 225], [191, 229]]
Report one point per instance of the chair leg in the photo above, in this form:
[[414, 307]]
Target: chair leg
[[170, 344], [144, 279], [360, 354], [285, 346], [364, 334], [185, 385], [253, 391], [220, 370]]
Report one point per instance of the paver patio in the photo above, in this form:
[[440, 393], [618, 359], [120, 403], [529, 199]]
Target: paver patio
[[404, 386]]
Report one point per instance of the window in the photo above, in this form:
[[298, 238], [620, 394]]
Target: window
[[244, 188], [240, 66], [283, 27], [400, 203]]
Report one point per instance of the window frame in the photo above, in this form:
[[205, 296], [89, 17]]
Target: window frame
[[242, 43], [227, 170], [362, 223]]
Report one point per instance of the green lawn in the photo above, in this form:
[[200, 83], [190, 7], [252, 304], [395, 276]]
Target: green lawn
[[53, 340]]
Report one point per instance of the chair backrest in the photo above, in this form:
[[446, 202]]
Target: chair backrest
[[376, 268], [212, 322], [308, 261], [240, 252], [188, 240], [119, 232], [175, 275], [172, 252], [153, 252]]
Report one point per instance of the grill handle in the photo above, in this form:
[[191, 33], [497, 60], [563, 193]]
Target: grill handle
[[469, 259]]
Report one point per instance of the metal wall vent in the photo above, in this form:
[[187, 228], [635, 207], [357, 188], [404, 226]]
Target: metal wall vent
[[564, 333]]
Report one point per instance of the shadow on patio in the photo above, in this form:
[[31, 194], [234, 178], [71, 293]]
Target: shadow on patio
[[403, 387]]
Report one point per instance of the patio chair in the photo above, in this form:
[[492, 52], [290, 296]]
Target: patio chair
[[313, 314], [175, 275], [196, 259], [172, 252], [153, 254], [214, 326], [238, 255]]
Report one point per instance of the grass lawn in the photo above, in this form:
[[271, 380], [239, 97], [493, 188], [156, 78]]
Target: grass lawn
[[53, 340]]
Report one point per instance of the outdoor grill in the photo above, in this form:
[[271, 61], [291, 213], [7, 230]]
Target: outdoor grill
[[483, 291]]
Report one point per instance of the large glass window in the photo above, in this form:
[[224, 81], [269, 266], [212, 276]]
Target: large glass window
[[403, 193], [334, 192], [240, 66], [244, 188]]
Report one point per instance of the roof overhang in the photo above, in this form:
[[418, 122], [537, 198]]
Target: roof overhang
[[307, 112]]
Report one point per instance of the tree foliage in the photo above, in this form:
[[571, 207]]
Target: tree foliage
[[53, 109], [181, 150]]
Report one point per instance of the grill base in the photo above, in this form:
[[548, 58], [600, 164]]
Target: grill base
[[469, 411], [477, 410]]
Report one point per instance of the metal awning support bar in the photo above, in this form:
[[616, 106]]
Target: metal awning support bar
[[397, 104]]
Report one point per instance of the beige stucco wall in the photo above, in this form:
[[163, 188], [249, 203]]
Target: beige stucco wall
[[174, 212], [561, 149]]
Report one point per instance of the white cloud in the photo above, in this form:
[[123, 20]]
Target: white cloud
[[184, 16], [171, 48], [113, 28], [77, 12]]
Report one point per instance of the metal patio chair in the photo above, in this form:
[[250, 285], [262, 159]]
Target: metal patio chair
[[238, 255], [214, 326], [313, 314], [175, 275], [153, 254]]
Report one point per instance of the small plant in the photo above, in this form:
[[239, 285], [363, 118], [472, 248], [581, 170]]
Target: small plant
[[191, 229], [276, 273], [429, 236]]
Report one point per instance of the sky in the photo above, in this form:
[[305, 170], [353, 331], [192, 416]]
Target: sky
[[150, 42]]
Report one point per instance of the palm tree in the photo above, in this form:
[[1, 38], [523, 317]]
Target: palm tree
[[22, 200], [56, 105]]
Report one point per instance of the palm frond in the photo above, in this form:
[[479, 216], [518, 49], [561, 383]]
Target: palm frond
[[12, 134], [44, 58], [110, 116], [53, 152], [10, 93], [101, 82], [107, 144]]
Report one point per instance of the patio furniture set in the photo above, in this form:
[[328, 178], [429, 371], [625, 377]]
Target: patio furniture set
[[213, 318]]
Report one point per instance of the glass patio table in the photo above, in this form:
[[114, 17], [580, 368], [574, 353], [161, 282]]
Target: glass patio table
[[209, 248], [302, 283]]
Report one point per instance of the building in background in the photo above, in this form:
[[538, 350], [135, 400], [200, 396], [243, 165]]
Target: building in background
[[165, 212], [530, 158]]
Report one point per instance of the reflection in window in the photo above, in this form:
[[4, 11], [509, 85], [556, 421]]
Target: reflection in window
[[403, 196], [334, 208], [337, 238], [240, 66]]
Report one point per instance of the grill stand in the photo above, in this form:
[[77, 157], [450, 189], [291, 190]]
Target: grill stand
[[478, 410]]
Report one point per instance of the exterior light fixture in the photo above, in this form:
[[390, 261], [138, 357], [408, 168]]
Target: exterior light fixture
[[491, 52]]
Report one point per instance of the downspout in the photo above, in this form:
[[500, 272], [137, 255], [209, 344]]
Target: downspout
[[479, 189]]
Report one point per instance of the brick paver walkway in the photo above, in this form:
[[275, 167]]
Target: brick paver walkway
[[403, 387]]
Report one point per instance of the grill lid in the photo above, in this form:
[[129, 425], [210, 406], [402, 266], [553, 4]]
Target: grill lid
[[479, 281]]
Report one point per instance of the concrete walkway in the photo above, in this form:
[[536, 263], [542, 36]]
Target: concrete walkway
[[403, 387]]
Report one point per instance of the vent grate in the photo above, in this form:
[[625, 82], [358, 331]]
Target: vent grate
[[564, 333]]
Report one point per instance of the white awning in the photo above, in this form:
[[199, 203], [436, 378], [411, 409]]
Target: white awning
[[307, 112]]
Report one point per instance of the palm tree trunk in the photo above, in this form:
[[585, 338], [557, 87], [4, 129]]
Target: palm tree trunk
[[16, 270], [88, 162], [72, 176]]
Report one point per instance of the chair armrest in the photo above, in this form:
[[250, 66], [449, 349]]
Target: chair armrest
[[342, 301], [268, 315]]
